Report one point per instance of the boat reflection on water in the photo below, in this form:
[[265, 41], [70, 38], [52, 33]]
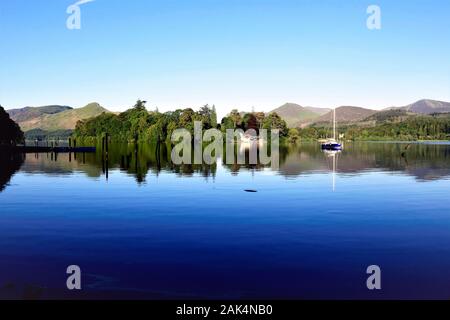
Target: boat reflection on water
[[333, 156]]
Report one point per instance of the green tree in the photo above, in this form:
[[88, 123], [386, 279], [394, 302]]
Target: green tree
[[293, 135], [140, 105], [226, 123], [213, 117], [260, 116], [205, 116], [235, 116], [249, 121], [274, 121]]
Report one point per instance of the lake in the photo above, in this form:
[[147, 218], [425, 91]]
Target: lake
[[140, 227]]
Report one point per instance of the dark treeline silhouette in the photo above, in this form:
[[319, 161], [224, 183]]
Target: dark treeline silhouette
[[10, 163], [10, 132]]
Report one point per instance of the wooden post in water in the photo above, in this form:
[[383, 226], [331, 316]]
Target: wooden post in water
[[75, 146], [70, 151]]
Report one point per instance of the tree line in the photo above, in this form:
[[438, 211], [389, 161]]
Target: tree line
[[432, 127], [139, 124], [10, 133]]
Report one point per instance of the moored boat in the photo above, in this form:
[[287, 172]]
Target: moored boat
[[332, 144]]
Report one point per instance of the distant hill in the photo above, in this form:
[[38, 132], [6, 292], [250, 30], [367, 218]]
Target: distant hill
[[346, 114], [391, 115], [319, 111], [28, 113], [296, 115], [426, 106], [63, 120]]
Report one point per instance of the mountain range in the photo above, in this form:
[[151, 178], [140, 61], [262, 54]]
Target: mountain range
[[59, 117], [298, 116], [295, 115], [426, 106], [54, 117], [28, 113]]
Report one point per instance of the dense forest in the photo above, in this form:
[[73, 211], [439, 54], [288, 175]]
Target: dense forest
[[138, 124], [39, 134], [10, 132], [432, 127]]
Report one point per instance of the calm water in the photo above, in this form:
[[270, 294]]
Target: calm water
[[140, 227]]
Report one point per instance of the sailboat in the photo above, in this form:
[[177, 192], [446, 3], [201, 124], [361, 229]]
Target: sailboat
[[332, 144]]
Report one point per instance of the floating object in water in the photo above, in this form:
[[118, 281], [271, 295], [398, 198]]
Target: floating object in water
[[250, 190], [331, 145]]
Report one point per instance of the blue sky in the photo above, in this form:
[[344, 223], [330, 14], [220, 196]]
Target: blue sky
[[231, 53]]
